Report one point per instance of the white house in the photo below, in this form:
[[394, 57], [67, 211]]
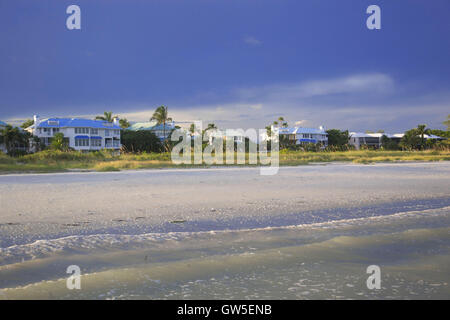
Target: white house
[[357, 139], [161, 131], [301, 135], [80, 134], [239, 136]]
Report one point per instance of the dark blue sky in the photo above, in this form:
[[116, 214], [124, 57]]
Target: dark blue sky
[[239, 63]]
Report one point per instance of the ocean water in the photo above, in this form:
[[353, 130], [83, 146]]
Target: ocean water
[[290, 258]]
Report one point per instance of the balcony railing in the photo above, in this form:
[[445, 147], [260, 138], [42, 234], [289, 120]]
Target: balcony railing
[[112, 145]]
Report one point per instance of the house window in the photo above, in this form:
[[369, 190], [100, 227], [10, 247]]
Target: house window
[[94, 131], [82, 142], [96, 142], [81, 130]]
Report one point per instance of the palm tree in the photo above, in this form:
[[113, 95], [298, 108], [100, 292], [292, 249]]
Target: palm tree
[[12, 137], [107, 116], [27, 123], [269, 131], [447, 122], [192, 128], [281, 120], [211, 126], [422, 131], [161, 116], [124, 123]]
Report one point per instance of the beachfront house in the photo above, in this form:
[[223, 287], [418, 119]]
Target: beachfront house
[[371, 140], [160, 130], [374, 140], [301, 135], [80, 134], [236, 135]]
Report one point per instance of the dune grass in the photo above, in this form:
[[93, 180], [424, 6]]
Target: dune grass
[[56, 161]]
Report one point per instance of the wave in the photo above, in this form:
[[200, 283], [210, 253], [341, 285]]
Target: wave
[[80, 244]]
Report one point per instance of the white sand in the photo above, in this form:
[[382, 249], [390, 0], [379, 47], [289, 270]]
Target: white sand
[[41, 205]]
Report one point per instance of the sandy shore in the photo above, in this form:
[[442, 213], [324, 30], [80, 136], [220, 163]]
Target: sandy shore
[[307, 233], [41, 206]]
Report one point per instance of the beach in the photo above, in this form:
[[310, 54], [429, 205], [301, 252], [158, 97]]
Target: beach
[[308, 232]]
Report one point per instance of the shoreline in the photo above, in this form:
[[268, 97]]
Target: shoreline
[[314, 218], [39, 206], [307, 232]]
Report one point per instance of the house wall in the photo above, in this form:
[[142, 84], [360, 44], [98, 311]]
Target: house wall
[[107, 137]]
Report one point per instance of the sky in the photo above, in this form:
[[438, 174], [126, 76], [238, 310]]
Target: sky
[[237, 63]]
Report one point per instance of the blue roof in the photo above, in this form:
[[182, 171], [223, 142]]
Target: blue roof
[[76, 123], [3, 123], [95, 137], [81, 137], [296, 130]]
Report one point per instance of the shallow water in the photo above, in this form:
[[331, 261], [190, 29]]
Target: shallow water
[[310, 260]]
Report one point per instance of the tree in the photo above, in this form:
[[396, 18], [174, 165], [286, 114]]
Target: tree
[[281, 120], [410, 140], [447, 122], [192, 128], [36, 143], [388, 144], [59, 143], [27, 123], [422, 131], [161, 116], [211, 126], [140, 141], [107, 116], [440, 133], [13, 138], [124, 123], [337, 137]]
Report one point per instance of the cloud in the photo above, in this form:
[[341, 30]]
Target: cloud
[[302, 123], [360, 83], [356, 102], [252, 41]]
